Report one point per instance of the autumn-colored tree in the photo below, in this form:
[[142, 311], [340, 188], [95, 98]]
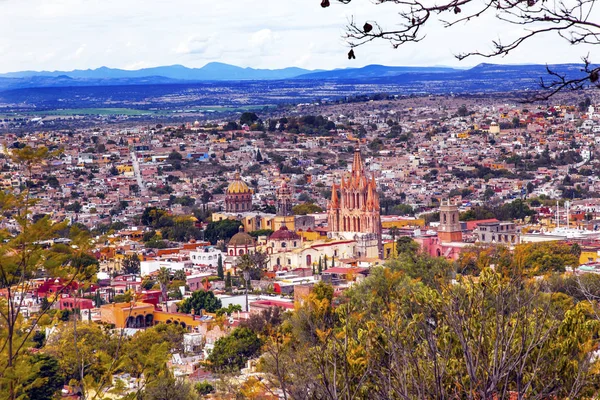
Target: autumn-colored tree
[[23, 257], [395, 336], [533, 259]]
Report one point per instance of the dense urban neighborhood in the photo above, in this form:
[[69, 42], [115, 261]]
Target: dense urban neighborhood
[[281, 253]]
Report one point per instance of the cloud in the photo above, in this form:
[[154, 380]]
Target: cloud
[[275, 34], [194, 45], [261, 38]]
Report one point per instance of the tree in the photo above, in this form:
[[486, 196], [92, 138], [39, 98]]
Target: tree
[[168, 387], [534, 259], [248, 118], [394, 337], [24, 259], [203, 388], [85, 353], [228, 282], [200, 301], [131, 264], [306, 208], [405, 244], [46, 378], [254, 263], [231, 352], [175, 156], [163, 278], [220, 272], [221, 230], [573, 22], [320, 266]]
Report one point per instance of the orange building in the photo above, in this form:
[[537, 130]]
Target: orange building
[[128, 315], [144, 315]]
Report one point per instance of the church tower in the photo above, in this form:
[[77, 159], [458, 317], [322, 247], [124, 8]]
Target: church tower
[[449, 229], [285, 216], [354, 212]]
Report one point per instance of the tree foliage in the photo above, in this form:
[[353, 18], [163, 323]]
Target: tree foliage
[[397, 337], [200, 301], [231, 352], [131, 264], [306, 208]]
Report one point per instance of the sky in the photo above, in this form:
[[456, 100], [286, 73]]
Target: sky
[[133, 34]]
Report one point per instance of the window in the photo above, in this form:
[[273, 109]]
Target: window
[[241, 253], [295, 244]]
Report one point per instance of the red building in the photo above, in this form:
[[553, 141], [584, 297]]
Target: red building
[[71, 303]]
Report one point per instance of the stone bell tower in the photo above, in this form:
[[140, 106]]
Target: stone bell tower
[[449, 229]]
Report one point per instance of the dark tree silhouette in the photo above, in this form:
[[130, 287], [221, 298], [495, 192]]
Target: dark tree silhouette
[[575, 21]]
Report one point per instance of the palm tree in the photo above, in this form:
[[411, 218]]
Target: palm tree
[[245, 264], [163, 278]]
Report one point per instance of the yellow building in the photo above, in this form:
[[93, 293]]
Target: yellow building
[[125, 169], [309, 235], [143, 315], [387, 223], [589, 255], [128, 315]]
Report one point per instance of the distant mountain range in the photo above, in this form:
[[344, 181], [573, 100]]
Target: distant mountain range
[[219, 72], [210, 72]]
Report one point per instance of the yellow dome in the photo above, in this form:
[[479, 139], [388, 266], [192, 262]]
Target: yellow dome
[[238, 186]]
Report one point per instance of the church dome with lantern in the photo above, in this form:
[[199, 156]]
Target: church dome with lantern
[[239, 196]]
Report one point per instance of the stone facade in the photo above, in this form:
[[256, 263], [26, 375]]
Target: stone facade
[[354, 211]]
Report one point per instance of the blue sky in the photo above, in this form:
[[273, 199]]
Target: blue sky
[[131, 34]]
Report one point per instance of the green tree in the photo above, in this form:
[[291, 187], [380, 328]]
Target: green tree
[[405, 244], [231, 352], [46, 378], [248, 118], [131, 264], [220, 272], [175, 155], [228, 282], [306, 208], [164, 278], [24, 259], [221, 230], [200, 301], [203, 388], [168, 387], [180, 276]]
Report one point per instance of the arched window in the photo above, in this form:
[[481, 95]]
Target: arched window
[[241, 252], [230, 252], [308, 260]]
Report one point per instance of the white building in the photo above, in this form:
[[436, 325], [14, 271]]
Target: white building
[[206, 256]]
